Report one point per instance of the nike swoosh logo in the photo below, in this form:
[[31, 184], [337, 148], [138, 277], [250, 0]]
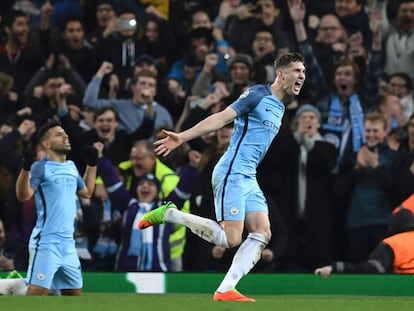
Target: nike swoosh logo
[[267, 109]]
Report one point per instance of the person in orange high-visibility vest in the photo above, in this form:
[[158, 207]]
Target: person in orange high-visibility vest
[[394, 254], [408, 204]]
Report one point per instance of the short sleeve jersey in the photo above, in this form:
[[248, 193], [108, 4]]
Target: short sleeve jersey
[[259, 117], [56, 185]]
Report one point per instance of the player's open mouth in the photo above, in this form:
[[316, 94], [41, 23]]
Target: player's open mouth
[[297, 86]]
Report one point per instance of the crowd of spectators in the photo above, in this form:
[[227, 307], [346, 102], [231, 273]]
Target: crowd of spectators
[[115, 73]]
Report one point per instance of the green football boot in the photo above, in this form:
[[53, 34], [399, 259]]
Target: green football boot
[[156, 216]]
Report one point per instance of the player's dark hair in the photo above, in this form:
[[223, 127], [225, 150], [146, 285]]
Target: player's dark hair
[[285, 59], [43, 131]]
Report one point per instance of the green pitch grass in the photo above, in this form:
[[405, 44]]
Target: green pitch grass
[[183, 302]]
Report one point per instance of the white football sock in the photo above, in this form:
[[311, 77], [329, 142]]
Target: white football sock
[[205, 228], [15, 287], [246, 257]]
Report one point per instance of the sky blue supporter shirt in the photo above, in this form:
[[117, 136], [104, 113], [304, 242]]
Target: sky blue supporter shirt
[[259, 117], [56, 185]]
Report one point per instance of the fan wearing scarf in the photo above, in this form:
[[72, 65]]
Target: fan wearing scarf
[[310, 235], [343, 113], [144, 250], [342, 107], [355, 85], [344, 126]]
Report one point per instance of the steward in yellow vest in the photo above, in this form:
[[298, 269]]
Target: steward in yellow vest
[[143, 160]]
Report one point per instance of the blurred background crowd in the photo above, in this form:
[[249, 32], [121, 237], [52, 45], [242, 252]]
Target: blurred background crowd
[[119, 71]]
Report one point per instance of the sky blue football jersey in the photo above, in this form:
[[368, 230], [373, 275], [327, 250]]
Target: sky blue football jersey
[[259, 117], [56, 185]]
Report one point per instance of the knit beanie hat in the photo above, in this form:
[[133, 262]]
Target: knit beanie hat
[[241, 58], [308, 108], [151, 178]]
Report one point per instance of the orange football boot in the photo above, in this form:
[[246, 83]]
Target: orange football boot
[[231, 295]]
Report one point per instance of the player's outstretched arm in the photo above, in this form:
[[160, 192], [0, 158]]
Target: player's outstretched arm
[[164, 146]]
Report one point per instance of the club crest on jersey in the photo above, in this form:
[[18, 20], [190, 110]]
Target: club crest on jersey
[[40, 276], [244, 94], [234, 211]]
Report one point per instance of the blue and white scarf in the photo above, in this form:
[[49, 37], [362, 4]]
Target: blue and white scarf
[[141, 241], [335, 122]]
